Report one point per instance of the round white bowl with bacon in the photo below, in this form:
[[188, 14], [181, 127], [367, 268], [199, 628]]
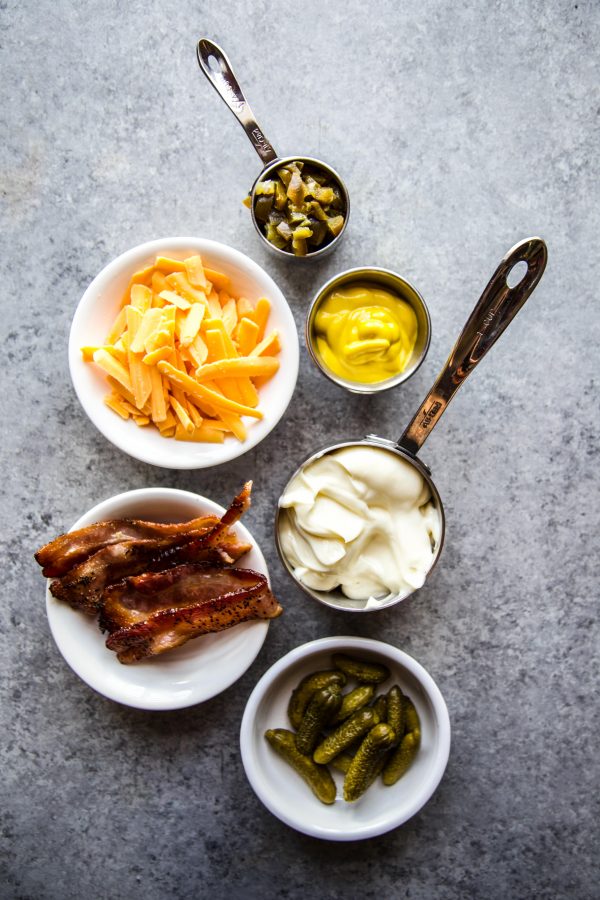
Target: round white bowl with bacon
[[190, 674]]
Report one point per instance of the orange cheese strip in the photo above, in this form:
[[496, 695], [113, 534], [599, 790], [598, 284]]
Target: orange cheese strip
[[247, 336], [233, 421], [194, 389], [144, 276], [220, 281], [244, 307], [217, 323], [214, 307], [114, 402], [245, 366], [148, 323], [261, 315], [141, 297], [113, 367], [197, 351], [229, 387], [203, 434], [127, 396], [164, 352], [168, 265], [178, 282], [158, 406], [159, 282], [175, 299], [269, 345], [118, 351], [140, 375], [191, 324], [230, 316], [221, 347], [182, 415], [194, 415], [195, 272], [117, 328]]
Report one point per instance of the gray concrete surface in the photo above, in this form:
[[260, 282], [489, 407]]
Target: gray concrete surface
[[460, 128]]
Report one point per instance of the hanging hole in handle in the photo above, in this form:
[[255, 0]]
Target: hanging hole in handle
[[517, 274], [213, 64]]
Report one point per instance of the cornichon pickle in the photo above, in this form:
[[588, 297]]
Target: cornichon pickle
[[352, 701], [396, 711], [361, 770], [318, 778], [345, 734], [342, 761], [412, 721], [309, 684], [365, 672], [380, 707], [321, 708], [403, 757]]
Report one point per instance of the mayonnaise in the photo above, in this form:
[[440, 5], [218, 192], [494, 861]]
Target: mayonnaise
[[361, 519]]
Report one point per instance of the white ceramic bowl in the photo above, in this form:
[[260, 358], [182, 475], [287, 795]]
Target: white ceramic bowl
[[96, 312], [193, 672], [381, 808]]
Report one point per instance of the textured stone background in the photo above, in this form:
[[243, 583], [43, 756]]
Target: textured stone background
[[460, 129]]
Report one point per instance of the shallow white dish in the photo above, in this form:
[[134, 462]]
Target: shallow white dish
[[96, 312], [381, 808], [190, 674]]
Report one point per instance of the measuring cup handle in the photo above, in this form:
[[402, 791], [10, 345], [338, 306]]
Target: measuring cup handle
[[217, 68], [496, 308]]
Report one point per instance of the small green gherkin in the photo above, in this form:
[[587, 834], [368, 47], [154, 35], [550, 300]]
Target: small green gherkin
[[362, 769], [318, 778]]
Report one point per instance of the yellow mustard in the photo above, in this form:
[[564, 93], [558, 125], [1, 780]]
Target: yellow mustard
[[365, 333]]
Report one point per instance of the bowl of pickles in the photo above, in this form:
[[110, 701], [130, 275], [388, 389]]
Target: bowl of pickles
[[345, 738]]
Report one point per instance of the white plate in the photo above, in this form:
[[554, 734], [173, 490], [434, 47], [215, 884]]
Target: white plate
[[190, 674], [96, 312], [381, 808]]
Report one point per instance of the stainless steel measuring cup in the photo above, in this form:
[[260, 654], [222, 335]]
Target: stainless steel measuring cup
[[495, 309], [217, 68]]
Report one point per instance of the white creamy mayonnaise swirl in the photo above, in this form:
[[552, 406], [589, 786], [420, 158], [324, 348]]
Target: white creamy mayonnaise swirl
[[361, 519]]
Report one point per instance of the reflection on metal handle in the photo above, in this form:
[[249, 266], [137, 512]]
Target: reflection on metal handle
[[496, 308], [217, 69]]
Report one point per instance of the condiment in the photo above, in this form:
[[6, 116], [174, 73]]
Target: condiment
[[300, 208], [365, 333], [362, 519]]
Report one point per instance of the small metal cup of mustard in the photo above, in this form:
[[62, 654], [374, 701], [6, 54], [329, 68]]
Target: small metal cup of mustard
[[309, 203], [368, 329]]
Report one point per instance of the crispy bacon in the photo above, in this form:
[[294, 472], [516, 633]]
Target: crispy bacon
[[136, 599], [239, 505], [158, 586], [67, 550], [82, 586], [170, 628]]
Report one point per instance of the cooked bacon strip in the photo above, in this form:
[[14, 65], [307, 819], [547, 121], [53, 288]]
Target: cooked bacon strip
[[170, 628], [67, 550], [233, 514], [137, 598], [82, 587]]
